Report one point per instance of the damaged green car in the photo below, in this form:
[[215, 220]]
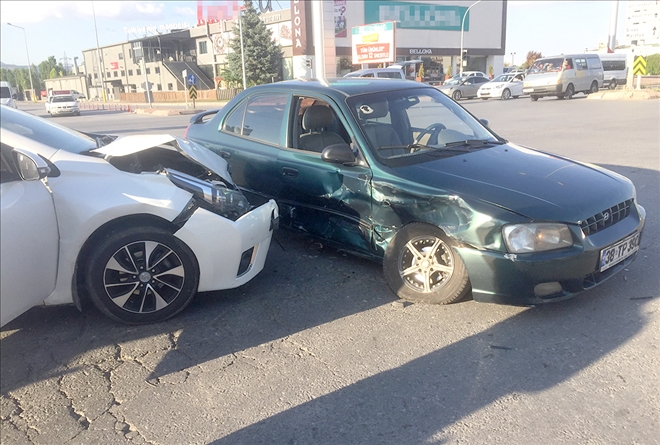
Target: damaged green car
[[398, 172]]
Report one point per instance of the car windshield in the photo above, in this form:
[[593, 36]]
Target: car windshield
[[504, 78], [407, 122], [45, 132], [62, 99], [455, 81], [546, 66]]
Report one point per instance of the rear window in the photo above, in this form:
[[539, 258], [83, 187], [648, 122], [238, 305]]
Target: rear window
[[614, 65], [62, 99], [5, 93]]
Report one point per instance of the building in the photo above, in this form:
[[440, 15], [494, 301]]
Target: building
[[428, 31]]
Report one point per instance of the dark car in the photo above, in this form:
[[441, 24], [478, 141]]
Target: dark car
[[398, 172]]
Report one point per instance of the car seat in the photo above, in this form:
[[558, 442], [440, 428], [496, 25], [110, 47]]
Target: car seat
[[315, 120]]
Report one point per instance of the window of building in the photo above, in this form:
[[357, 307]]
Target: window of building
[[123, 73], [202, 47], [130, 72], [159, 87], [170, 87], [138, 71], [107, 74], [157, 70], [115, 74], [148, 70], [96, 76], [121, 56]]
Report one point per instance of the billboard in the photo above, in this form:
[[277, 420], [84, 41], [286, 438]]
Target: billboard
[[373, 43]]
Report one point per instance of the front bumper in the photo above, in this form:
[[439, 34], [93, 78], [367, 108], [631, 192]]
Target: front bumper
[[229, 253], [502, 278], [543, 90]]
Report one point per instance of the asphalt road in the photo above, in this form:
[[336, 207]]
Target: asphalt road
[[317, 350]]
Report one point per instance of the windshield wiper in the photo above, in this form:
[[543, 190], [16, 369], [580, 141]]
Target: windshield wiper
[[473, 143]]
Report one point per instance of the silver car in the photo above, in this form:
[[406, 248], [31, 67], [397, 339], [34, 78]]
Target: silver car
[[463, 87]]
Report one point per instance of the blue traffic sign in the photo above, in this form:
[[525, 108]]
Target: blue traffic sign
[[192, 79]]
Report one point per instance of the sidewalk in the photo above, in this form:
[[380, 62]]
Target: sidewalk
[[156, 109]]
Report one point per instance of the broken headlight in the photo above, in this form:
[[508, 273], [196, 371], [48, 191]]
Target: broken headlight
[[214, 195]]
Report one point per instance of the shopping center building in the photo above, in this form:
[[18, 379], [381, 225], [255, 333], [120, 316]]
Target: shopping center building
[[429, 31]]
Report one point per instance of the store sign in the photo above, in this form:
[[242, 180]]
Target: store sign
[[300, 11], [421, 51], [373, 43], [114, 65]]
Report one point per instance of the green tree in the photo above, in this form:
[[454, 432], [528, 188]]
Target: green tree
[[263, 57], [653, 64], [50, 69], [531, 58]]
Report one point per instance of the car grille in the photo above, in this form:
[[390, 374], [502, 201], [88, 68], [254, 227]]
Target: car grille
[[606, 218]]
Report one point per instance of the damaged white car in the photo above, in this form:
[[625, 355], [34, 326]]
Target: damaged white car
[[138, 225]]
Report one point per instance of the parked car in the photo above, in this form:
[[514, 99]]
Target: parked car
[[387, 73], [504, 86], [398, 172], [6, 96], [472, 73], [59, 105], [463, 87], [138, 226]]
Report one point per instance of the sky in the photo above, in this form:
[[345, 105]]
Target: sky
[[65, 29]]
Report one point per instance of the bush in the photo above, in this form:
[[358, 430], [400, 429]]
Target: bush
[[653, 64]]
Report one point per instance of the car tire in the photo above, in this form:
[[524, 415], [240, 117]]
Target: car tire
[[612, 85], [568, 95], [484, 98], [534, 98], [506, 94], [456, 95], [420, 265], [126, 289], [594, 87]]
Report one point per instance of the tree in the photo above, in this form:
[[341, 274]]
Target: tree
[[263, 57], [50, 69], [531, 58]]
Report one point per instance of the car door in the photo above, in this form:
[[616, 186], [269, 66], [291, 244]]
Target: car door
[[477, 81], [30, 241], [329, 200]]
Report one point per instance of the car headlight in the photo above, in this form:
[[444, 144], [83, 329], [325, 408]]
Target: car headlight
[[499, 85], [536, 237], [231, 204]]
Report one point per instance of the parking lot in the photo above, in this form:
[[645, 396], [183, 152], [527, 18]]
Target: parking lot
[[317, 349]]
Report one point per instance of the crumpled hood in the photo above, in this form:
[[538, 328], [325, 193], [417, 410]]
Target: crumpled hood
[[131, 144], [534, 184]]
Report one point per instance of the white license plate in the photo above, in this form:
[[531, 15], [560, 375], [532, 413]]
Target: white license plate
[[618, 252]]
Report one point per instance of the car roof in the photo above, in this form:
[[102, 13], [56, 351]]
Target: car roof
[[339, 88]]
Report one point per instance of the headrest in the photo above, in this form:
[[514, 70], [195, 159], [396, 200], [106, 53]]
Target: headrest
[[373, 110], [317, 116]]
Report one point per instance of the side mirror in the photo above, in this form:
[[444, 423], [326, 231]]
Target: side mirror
[[30, 166], [338, 154], [484, 122]]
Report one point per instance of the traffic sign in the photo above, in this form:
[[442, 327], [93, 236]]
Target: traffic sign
[[192, 92], [192, 79], [639, 67]]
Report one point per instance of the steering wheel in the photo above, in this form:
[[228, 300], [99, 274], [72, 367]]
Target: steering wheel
[[432, 129]]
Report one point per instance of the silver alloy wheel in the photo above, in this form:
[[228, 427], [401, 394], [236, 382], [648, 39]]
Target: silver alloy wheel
[[426, 264], [506, 94], [143, 277]]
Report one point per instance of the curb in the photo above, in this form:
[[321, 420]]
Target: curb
[[166, 112], [625, 95]]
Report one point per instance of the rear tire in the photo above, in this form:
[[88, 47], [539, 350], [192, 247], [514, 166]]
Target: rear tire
[[420, 265], [141, 275], [612, 85], [594, 87]]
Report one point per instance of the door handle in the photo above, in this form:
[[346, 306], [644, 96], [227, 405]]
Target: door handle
[[225, 154], [292, 172]]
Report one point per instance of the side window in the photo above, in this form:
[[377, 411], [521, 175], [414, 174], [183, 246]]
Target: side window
[[261, 119], [8, 172], [580, 63], [593, 63], [316, 125], [368, 75]]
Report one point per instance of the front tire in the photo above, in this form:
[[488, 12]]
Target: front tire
[[534, 98], [141, 275], [456, 95], [568, 95], [420, 265], [506, 94]]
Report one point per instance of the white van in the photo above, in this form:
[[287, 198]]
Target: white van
[[615, 69], [6, 97], [564, 75]]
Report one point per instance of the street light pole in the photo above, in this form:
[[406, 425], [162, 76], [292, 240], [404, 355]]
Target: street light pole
[[28, 57], [463, 31], [512, 55]]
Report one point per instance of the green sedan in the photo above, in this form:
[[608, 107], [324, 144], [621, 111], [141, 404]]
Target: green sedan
[[398, 172]]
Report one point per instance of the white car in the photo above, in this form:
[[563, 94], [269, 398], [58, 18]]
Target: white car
[[504, 86], [60, 105], [138, 226]]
